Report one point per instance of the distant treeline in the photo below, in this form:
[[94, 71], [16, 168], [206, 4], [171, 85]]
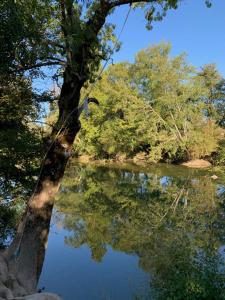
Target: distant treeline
[[158, 107]]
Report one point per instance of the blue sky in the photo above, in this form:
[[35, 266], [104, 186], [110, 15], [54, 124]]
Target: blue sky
[[192, 28]]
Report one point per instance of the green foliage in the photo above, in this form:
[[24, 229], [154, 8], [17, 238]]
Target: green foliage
[[219, 156], [9, 216], [20, 139], [28, 34], [7, 222], [22, 44], [74, 33], [215, 98], [112, 126], [159, 105]]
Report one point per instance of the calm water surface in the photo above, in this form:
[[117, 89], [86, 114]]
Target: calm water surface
[[127, 232]]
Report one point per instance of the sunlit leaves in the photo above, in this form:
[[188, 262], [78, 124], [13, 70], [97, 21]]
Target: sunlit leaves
[[157, 105]]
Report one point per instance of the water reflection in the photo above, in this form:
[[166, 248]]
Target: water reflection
[[171, 218]]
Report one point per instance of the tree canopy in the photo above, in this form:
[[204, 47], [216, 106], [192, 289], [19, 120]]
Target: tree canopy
[[158, 105]]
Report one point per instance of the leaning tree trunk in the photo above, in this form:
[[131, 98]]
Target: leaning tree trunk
[[59, 144], [21, 263]]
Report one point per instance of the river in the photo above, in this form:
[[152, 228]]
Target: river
[[123, 232]]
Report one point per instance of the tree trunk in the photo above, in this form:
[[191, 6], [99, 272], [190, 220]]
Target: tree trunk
[[21, 263], [60, 143]]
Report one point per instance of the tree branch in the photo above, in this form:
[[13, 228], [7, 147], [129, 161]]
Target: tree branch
[[40, 122], [56, 59], [69, 9], [98, 18], [115, 3], [84, 106], [63, 14], [39, 65], [123, 2]]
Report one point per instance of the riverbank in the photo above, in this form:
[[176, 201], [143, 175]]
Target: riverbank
[[193, 167], [141, 160]]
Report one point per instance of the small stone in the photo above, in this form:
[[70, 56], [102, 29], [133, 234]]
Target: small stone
[[214, 177]]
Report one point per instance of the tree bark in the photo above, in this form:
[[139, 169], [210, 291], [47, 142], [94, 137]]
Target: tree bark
[[59, 146], [21, 263]]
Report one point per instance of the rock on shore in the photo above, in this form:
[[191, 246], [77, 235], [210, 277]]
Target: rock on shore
[[197, 163]]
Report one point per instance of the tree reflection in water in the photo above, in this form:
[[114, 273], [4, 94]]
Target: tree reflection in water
[[172, 221]]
